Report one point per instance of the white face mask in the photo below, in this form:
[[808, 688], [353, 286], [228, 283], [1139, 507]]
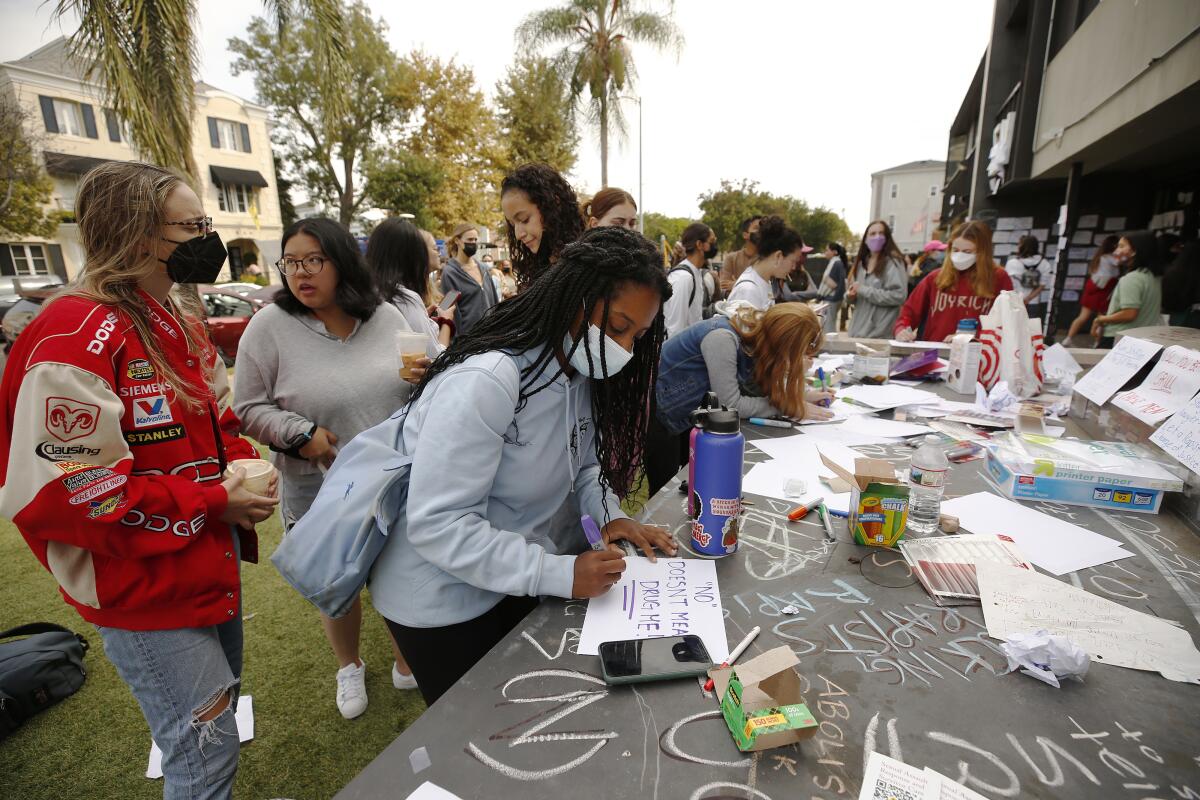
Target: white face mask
[[615, 356], [962, 261]]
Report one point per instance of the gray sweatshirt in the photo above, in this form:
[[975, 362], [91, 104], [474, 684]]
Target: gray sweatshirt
[[291, 373], [879, 300], [484, 486], [719, 349]]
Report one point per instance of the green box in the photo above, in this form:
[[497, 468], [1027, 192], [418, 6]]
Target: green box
[[761, 701]]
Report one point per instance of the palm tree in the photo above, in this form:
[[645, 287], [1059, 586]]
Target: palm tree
[[595, 36], [144, 53]]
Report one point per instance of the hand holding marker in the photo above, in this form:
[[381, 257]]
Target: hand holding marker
[[592, 531], [737, 651]]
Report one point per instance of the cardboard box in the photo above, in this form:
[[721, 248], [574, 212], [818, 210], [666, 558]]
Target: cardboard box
[[871, 366], [963, 372], [1111, 475], [878, 501], [761, 701]]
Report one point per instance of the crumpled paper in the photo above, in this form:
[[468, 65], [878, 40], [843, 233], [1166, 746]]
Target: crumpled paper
[[998, 399], [1045, 656]]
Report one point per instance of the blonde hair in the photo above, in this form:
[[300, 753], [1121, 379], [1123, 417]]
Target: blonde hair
[[983, 282], [120, 206], [454, 243], [779, 340]]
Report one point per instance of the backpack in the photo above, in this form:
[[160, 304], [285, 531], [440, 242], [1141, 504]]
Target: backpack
[[691, 294], [38, 671]]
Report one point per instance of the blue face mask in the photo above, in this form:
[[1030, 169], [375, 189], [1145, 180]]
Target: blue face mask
[[615, 356]]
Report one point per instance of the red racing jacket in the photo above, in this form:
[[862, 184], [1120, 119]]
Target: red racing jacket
[[114, 484]]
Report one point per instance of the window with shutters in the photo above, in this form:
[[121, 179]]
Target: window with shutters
[[68, 116], [231, 135], [233, 198], [29, 259]]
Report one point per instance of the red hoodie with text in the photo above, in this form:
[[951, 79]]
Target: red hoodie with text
[[935, 313]]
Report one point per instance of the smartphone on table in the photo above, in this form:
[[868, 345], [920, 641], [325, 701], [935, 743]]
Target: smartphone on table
[[658, 659], [449, 301]]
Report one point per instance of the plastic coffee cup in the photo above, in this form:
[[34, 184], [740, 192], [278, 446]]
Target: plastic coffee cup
[[258, 474], [412, 347]]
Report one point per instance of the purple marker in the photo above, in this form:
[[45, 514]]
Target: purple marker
[[592, 531]]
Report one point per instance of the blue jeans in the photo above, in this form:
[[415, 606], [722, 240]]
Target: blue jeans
[[177, 676]]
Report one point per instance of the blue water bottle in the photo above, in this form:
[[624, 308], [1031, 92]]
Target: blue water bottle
[[715, 471]]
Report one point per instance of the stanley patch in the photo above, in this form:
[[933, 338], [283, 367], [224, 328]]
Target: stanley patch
[[166, 433]]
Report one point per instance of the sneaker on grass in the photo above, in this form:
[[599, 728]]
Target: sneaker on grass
[[402, 681], [352, 689]]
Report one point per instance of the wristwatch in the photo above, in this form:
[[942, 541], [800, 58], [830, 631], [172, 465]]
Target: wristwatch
[[298, 444]]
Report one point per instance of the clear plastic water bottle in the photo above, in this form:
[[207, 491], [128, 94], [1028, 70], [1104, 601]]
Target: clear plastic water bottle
[[926, 480]]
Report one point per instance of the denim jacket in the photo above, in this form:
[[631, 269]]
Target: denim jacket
[[683, 374]]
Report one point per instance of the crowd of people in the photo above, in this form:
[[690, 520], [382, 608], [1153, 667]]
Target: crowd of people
[[562, 379]]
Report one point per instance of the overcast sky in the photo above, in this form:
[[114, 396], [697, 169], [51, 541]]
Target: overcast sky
[[807, 97]]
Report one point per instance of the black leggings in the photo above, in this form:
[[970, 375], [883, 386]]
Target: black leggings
[[665, 453], [440, 656]]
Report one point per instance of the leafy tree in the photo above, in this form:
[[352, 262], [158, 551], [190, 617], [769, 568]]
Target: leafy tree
[[726, 208], [454, 130], [144, 53], [536, 123], [657, 225], [595, 37], [321, 125], [283, 188], [24, 186], [405, 184]]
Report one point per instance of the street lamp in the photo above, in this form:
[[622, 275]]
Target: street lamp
[[641, 208]]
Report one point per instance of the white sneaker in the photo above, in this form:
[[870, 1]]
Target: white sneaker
[[352, 689], [402, 681]]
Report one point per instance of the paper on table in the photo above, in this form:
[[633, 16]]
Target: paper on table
[[940, 787], [1174, 381], [886, 396], [1055, 545], [883, 427], [768, 478], [841, 411], [940, 408], [1017, 601], [1122, 362], [431, 791], [840, 434], [1180, 435], [671, 597], [888, 778], [919, 345], [244, 717], [1057, 362]]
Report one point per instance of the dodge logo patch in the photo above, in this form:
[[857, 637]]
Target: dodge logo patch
[[67, 419]]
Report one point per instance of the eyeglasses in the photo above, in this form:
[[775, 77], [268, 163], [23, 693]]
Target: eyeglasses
[[291, 267], [202, 226]]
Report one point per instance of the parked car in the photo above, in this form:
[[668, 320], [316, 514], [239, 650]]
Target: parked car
[[244, 289], [11, 289], [21, 313], [227, 313]]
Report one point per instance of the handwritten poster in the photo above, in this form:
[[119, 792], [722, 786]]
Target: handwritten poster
[[1089, 220], [1121, 364], [1180, 435], [671, 597], [1017, 601], [1174, 381]]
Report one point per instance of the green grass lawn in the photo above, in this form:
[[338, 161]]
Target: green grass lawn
[[95, 744]]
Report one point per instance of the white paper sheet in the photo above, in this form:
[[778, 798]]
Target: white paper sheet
[[795, 457], [840, 434], [244, 717], [887, 396], [1058, 363], [940, 787], [1017, 601], [917, 345], [1173, 382], [1114, 224], [841, 411], [1122, 362], [671, 597], [883, 427], [941, 408], [1054, 544], [431, 791], [886, 778], [1179, 436]]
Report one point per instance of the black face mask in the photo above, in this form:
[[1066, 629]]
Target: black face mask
[[711, 252], [197, 260], [469, 249]]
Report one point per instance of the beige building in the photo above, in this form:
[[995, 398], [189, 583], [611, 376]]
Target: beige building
[[908, 198], [231, 146]]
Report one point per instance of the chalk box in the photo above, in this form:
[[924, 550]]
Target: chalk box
[[963, 372], [762, 703], [1059, 475], [878, 501]]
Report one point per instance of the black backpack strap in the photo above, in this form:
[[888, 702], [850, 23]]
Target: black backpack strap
[[692, 294], [34, 627]]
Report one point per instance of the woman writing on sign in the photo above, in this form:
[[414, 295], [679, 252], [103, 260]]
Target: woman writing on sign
[[877, 284], [549, 392], [1137, 300], [323, 341], [964, 288], [116, 431], [779, 250], [733, 356], [541, 214]]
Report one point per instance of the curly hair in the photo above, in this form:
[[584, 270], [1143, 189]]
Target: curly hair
[[593, 270], [561, 223]]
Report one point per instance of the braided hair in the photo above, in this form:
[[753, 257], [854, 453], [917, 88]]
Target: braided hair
[[561, 223], [591, 271]]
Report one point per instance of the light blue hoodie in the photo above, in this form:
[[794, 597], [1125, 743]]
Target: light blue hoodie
[[484, 486]]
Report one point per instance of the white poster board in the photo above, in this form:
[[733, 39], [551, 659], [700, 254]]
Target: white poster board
[[1121, 364], [1174, 381]]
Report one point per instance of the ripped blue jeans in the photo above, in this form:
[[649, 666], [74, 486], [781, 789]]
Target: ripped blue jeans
[[178, 676]]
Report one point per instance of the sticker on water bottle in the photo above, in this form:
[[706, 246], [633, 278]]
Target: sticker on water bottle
[[933, 478]]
